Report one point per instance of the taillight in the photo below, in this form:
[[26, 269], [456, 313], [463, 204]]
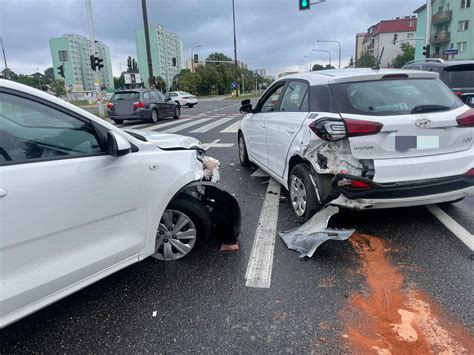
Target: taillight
[[466, 119], [138, 105], [110, 105], [354, 184], [329, 129], [457, 93], [356, 128], [470, 173]]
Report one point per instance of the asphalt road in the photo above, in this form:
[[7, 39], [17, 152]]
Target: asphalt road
[[400, 262]]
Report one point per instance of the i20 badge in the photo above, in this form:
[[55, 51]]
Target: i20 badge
[[423, 123]]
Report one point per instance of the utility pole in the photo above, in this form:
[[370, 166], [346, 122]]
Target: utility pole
[[3, 50], [428, 22], [235, 44], [94, 52], [151, 79]]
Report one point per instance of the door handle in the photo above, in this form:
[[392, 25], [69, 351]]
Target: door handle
[[291, 130], [263, 125], [3, 192]]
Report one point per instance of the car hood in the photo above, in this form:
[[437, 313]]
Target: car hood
[[167, 140]]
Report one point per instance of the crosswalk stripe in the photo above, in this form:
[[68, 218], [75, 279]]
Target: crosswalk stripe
[[233, 128], [186, 125], [212, 125]]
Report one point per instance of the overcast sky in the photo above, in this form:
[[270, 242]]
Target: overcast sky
[[271, 34]]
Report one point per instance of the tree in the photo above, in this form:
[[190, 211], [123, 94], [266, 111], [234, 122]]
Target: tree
[[408, 53], [351, 63], [49, 75], [132, 66], [119, 82], [160, 83], [57, 87], [320, 67], [366, 60]]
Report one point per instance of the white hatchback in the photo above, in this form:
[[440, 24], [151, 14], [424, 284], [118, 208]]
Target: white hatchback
[[81, 199], [183, 98], [361, 138]]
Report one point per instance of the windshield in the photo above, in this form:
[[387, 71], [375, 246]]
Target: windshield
[[459, 76], [394, 97], [126, 95]]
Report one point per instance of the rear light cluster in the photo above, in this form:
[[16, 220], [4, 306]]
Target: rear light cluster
[[466, 119], [354, 184], [333, 129], [138, 104], [110, 105], [470, 173]]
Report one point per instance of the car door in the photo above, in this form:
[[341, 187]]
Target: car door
[[256, 123], [68, 209], [167, 106], [149, 103], [283, 126]]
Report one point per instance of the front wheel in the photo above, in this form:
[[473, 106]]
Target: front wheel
[[303, 196], [191, 105], [154, 116], [177, 112], [118, 121], [185, 224], [243, 156]]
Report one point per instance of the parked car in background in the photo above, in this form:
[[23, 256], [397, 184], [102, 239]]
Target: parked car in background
[[457, 74], [81, 199], [146, 105], [183, 98], [361, 139]]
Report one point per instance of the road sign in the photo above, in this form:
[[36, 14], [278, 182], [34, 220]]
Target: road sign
[[451, 51], [132, 78], [234, 85]]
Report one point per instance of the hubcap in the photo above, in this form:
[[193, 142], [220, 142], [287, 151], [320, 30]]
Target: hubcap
[[298, 195], [154, 116], [175, 237]]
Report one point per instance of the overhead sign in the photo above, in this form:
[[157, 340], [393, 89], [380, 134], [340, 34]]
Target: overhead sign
[[132, 78], [451, 51]]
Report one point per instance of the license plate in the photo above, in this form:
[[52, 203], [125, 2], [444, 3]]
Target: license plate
[[404, 143]]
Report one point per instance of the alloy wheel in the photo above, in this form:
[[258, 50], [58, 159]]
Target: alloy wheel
[[298, 195]]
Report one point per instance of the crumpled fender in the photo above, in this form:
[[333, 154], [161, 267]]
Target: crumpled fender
[[224, 209]]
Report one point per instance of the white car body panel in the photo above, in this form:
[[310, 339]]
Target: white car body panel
[[66, 223]]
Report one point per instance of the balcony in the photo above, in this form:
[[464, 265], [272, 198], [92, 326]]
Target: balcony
[[442, 17], [441, 37]]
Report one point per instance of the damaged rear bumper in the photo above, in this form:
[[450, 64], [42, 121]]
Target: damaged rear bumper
[[402, 194]]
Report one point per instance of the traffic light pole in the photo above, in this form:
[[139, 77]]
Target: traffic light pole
[[94, 50]]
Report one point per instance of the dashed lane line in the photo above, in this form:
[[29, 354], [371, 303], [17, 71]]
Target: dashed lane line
[[186, 125], [233, 128], [212, 125], [459, 231], [259, 268]]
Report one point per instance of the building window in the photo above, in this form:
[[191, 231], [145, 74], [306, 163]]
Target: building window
[[62, 56], [410, 35], [411, 23], [462, 46], [465, 4], [463, 25]]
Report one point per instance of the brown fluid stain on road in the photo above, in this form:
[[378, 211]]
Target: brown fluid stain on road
[[393, 318]]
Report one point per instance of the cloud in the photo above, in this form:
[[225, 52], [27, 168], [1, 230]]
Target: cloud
[[271, 34]]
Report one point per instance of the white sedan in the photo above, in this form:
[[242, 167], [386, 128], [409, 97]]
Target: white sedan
[[183, 98], [362, 139], [81, 199]]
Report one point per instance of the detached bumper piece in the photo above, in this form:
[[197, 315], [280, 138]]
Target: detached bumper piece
[[358, 187]]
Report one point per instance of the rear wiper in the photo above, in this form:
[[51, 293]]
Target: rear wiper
[[429, 108]]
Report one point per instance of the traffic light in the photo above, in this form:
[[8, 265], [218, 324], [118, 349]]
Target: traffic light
[[173, 62], [426, 51], [92, 59], [61, 70], [304, 4], [395, 38], [98, 63], [196, 59]]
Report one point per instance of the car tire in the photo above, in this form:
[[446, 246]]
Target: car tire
[[303, 197], [243, 155], [196, 228], [154, 117], [191, 105], [177, 112], [118, 121]]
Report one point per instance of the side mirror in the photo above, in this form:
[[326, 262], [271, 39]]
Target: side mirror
[[246, 106], [118, 145]]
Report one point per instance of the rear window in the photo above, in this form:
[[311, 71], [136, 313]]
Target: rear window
[[126, 95], [393, 97], [459, 76]]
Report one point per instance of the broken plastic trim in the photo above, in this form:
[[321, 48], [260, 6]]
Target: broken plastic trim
[[308, 237], [223, 207]]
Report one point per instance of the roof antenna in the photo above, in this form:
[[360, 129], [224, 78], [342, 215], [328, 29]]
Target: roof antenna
[[377, 66]]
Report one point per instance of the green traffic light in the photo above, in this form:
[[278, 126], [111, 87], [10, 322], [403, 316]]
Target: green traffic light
[[304, 3]]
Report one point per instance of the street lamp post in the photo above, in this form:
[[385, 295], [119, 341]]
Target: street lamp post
[[192, 56], [309, 58], [340, 48], [328, 52]]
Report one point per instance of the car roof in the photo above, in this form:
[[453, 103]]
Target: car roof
[[443, 64], [331, 76]]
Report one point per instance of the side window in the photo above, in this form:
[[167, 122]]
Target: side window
[[155, 96], [161, 96], [146, 96], [295, 94], [270, 102], [30, 130]]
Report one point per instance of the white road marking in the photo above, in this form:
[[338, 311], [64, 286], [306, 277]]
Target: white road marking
[[259, 173], [216, 144], [187, 125], [233, 128], [259, 268], [462, 234], [212, 125]]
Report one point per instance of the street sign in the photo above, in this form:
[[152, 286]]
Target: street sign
[[234, 85], [451, 51], [132, 78]]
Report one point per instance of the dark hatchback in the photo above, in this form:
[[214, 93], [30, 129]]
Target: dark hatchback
[[457, 75], [146, 105]]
